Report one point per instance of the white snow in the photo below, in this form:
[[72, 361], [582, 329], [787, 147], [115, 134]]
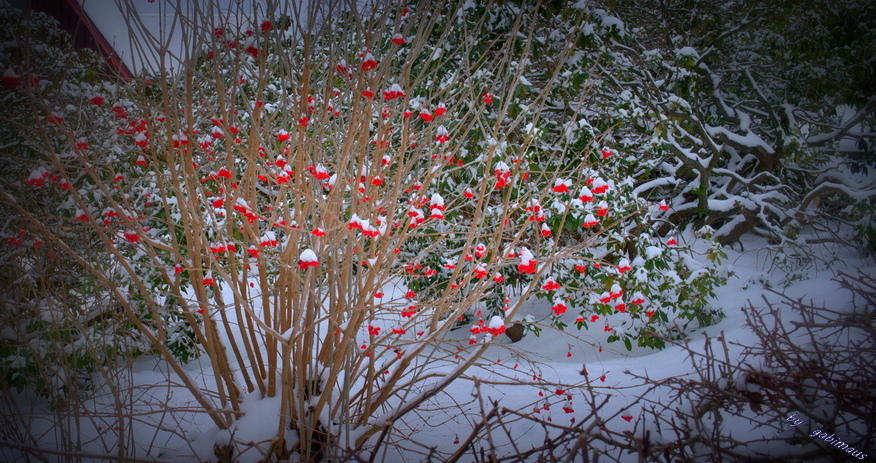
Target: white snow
[[308, 255]]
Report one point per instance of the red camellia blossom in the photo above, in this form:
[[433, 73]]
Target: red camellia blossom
[[266, 26], [398, 39], [562, 185], [602, 209], [411, 310], [559, 308], [368, 62], [319, 172], [442, 136], [589, 221], [487, 98], [663, 206], [307, 259], [11, 79], [440, 109], [253, 251], [97, 101], [527, 263], [394, 91]]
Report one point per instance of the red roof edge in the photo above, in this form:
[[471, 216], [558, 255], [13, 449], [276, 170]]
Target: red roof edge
[[113, 60]]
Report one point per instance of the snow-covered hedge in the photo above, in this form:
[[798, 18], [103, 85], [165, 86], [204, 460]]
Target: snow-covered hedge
[[317, 209]]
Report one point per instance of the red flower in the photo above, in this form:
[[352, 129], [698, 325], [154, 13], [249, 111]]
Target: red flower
[[606, 153], [440, 110], [318, 232], [320, 172], [487, 98], [593, 318], [561, 185], [672, 242], [394, 91], [602, 209], [131, 237], [599, 186], [559, 308], [627, 418], [342, 67], [303, 121], [282, 135], [442, 136], [266, 26], [527, 267], [663, 206], [551, 285], [308, 259], [480, 272], [11, 79], [368, 62], [409, 312], [97, 101], [589, 221], [398, 39]]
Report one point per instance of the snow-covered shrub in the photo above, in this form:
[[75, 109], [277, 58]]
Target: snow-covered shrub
[[314, 206], [738, 137], [59, 321]]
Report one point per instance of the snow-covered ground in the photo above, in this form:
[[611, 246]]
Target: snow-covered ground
[[527, 376]]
